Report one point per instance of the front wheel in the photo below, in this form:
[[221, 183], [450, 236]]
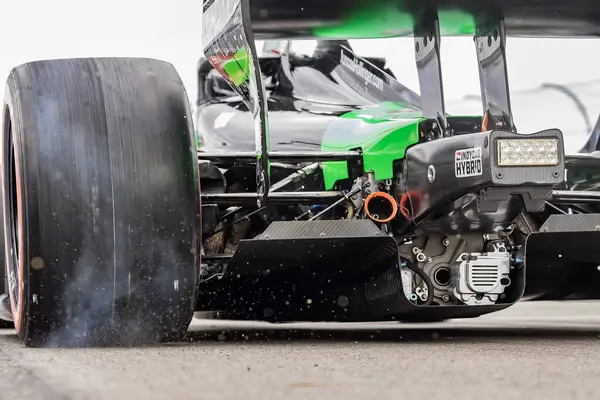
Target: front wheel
[[100, 194]]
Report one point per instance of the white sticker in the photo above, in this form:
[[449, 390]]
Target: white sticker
[[467, 162]]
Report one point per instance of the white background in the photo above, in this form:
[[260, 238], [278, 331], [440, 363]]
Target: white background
[[43, 29]]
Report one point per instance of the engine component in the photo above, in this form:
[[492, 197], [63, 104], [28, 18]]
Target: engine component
[[435, 255], [408, 277], [467, 269], [381, 207], [424, 291], [482, 277]]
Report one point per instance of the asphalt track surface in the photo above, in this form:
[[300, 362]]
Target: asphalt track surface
[[531, 351]]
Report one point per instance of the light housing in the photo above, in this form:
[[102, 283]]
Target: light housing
[[518, 152]]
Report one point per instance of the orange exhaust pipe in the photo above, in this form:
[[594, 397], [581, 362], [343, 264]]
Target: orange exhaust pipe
[[409, 203], [381, 207]]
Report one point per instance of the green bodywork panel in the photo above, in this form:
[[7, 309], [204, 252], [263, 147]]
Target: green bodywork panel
[[238, 67], [382, 132], [385, 19]]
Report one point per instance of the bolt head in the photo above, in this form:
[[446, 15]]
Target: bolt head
[[431, 174]]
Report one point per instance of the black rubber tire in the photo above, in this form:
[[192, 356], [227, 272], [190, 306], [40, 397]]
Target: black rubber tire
[[103, 208]]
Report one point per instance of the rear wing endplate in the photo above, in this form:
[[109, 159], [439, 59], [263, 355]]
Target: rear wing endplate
[[230, 48]]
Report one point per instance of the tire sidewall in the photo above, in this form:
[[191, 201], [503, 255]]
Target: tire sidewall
[[15, 289]]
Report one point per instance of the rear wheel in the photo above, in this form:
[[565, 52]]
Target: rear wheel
[[100, 194]]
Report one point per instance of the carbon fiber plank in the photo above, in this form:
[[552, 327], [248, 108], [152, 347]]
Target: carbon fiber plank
[[337, 229], [572, 223]]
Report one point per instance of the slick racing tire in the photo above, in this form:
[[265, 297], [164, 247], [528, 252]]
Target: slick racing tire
[[100, 193]]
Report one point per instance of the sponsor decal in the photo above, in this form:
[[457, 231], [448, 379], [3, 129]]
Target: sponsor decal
[[357, 66], [467, 162]]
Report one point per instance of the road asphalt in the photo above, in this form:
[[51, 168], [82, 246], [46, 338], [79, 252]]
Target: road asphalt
[[540, 351]]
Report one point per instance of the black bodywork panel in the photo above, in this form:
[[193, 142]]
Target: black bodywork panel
[[545, 18], [562, 258], [445, 169], [332, 248]]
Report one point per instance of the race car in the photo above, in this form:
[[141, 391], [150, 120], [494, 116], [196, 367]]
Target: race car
[[333, 192], [355, 200]]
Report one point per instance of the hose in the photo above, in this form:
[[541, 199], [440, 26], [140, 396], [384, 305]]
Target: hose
[[387, 200], [425, 278]]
